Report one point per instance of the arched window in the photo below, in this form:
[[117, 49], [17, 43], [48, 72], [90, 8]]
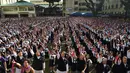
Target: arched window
[[106, 7], [116, 5], [121, 5], [112, 6], [109, 7]]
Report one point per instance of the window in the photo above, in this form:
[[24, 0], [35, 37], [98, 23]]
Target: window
[[76, 3], [82, 4], [30, 9], [121, 5], [116, 5], [112, 6], [109, 7], [22, 9], [10, 9]]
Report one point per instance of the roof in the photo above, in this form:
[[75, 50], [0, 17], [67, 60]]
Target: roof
[[81, 14], [20, 3], [47, 2]]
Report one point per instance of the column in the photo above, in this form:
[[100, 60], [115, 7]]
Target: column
[[2, 14], [34, 12], [28, 12], [19, 15], [17, 9], [7, 2], [1, 2], [27, 9], [10, 1], [18, 12]]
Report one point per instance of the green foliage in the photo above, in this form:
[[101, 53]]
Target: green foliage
[[52, 1], [94, 7], [126, 4]]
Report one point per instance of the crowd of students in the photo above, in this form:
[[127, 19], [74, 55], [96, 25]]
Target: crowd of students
[[72, 45]]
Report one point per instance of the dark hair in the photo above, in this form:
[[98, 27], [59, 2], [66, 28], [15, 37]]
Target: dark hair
[[26, 60]]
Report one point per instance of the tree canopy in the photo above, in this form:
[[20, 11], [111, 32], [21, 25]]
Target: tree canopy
[[94, 7], [126, 4], [52, 1]]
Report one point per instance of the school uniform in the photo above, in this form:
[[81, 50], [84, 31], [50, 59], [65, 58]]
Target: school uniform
[[80, 65], [73, 65], [110, 60], [106, 68], [9, 62], [52, 60], [124, 68], [2, 68], [62, 65], [19, 60], [38, 64], [89, 63], [128, 57], [102, 68], [117, 68]]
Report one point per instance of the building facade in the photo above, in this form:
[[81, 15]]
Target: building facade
[[37, 1], [76, 6], [113, 7], [7, 1], [3, 2], [18, 9]]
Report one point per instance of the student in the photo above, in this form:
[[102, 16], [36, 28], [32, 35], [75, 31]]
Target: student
[[52, 61], [128, 56], [81, 64], [124, 65], [117, 66], [38, 63], [25, 68], [62, 64], [89, 63], [8, 61], [106, 67], [110, 59], [19, 59], [73, 62], [103, 67], [3, 66]]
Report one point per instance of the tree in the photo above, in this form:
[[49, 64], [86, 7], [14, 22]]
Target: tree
[[51, 2], [126, 4], [94, 7], [20, 0], [52, 9]]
